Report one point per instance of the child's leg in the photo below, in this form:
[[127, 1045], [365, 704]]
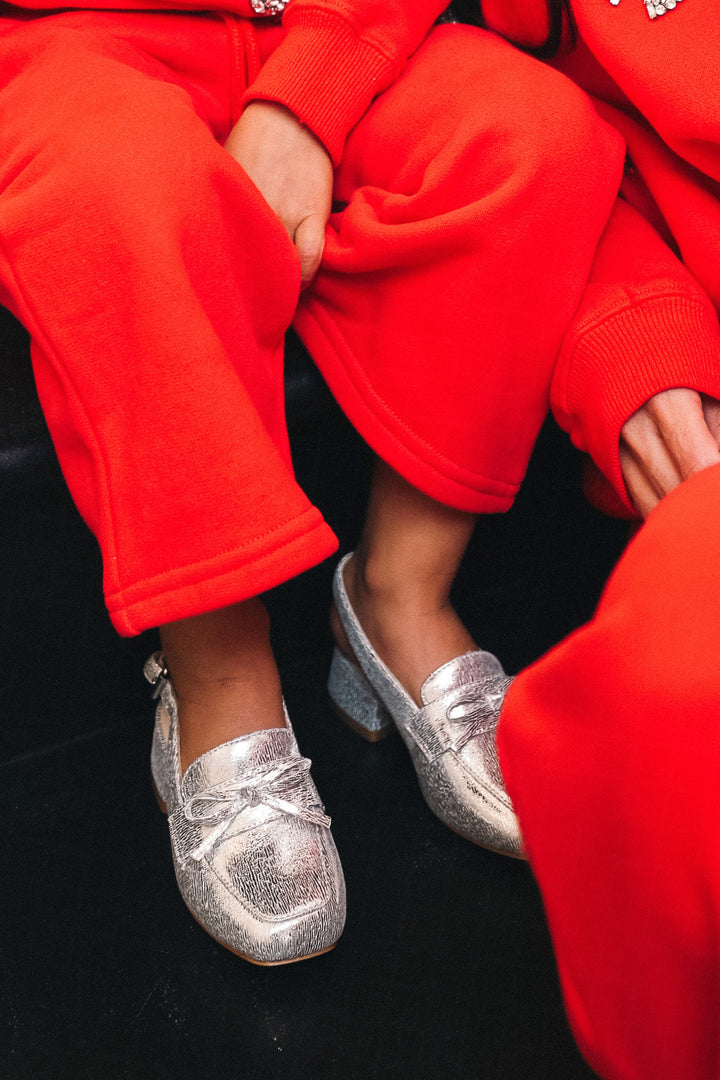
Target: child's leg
[[611, 749], [224, 675], [475, 190], [139, 255], [400, 576], [157, 287]]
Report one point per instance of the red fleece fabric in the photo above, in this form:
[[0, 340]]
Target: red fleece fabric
[[157, 285], [649, 319], [610, 746]]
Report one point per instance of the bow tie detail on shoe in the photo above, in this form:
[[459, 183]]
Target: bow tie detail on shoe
[[475, 715], [280, 785]]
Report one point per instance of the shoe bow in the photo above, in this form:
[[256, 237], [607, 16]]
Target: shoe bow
[[280, 785], [476, 712]]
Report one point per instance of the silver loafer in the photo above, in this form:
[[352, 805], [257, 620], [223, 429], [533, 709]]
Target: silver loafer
[[451, 738], [254, 858]]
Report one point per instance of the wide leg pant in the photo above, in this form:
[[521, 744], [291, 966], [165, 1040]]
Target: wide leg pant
[[157, 286], [610, 746]]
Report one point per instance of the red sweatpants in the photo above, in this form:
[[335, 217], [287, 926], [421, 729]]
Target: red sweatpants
[[610, 746], [157, 286]]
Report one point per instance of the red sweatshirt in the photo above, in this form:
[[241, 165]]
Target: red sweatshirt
[[648, 319]]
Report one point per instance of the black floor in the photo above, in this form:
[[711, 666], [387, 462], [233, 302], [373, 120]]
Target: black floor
[[445, 969]]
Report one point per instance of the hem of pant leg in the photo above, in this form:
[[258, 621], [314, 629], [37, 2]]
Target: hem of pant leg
[[203, 587], [400, 447]]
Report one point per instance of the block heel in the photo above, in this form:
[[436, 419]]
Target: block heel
[[355, 701]]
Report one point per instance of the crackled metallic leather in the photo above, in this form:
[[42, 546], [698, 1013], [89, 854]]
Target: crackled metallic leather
[[355, 699], [254, 858], [451, 738]]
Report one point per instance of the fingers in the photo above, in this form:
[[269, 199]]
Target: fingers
[[680, 419], [643, 493], [292, 171], [711, 411], [673, 436]]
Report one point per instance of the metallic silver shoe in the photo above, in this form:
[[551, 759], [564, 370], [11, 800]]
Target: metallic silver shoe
[[451, 739], [254, 858]]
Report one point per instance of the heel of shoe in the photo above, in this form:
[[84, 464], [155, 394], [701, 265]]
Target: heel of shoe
[[354, 699]]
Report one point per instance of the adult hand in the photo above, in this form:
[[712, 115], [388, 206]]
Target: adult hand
[[674, 435], [293, 172]]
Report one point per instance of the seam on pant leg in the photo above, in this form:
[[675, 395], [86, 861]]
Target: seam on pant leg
[[225, 585], [312, 515]]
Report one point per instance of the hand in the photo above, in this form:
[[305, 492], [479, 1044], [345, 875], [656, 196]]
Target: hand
[[292, 170], [674, 435]]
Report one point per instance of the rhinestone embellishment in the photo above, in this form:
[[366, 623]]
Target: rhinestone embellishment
[[655, 8], [268, 7]]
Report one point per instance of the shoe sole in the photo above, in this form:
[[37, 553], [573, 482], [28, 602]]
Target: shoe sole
[[520, 856], [263, 963]]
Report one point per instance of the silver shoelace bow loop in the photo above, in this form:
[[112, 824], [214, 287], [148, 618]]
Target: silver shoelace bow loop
[[280, 785], [476, 710]]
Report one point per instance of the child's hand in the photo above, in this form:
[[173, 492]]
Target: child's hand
[[292, 170], [674, 435]]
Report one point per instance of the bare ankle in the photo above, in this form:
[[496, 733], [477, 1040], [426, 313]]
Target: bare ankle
[[412, 631], [214, 718], [224, 675], [396, 591]]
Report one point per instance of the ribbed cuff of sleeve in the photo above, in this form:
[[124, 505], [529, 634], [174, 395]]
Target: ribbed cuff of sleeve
[[619, 364], [326, 74]]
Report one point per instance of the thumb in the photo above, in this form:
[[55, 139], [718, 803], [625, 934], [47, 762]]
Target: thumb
[[310, 242]]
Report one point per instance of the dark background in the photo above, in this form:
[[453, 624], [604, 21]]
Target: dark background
[[445, 969]]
